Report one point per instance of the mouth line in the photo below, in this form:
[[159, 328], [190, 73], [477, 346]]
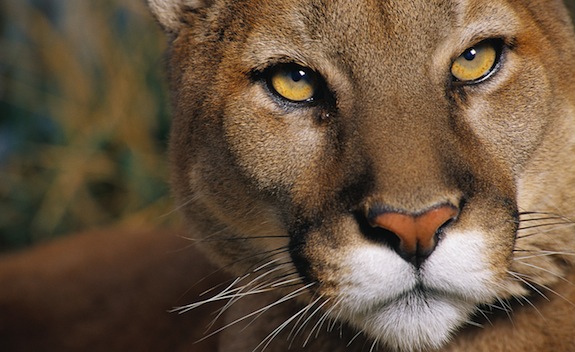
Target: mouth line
[[419, 293]]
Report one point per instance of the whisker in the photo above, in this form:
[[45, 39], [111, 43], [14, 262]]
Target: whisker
[[374, 344], [269, 338], [269, 254], [293, 333], [542, 232], [231, 239], [549, 214], [227, 289], [506, 307], [484, 314], [282, 283], [540, 223], [178, 207], [338, 315], [319, 323], [520, 299], [531, 286], [559, 276], [257, 289], [272, 286], [188, 307], [559, 295], [308, 320], [236, 280], [539, 254], [268, 264], [473, 323], [234, 293], [521, 228], [547, 288], [354, 338], [273, 252], [285, 298], [250, 288], [545, 218]]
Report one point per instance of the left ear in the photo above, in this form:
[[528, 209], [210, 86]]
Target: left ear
[[170, 13]]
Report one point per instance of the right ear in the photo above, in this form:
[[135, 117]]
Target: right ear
[[170, 13]]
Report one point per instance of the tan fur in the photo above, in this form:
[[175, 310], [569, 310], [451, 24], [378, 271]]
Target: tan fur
[[280, 194], [396, 134]]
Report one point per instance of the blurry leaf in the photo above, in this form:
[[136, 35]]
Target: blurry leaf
[[83, 119]]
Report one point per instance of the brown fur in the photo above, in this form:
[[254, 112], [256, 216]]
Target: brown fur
[[105, 291], [281, 194], [392, 132]]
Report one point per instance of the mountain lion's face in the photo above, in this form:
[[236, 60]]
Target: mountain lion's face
[[398, 164]]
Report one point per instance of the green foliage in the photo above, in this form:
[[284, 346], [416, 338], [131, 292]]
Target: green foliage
[[83, 118]]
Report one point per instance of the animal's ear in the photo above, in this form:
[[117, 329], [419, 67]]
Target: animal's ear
[[172, 14]]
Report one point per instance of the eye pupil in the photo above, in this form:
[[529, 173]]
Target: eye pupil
[[470, 54], [298, 75]]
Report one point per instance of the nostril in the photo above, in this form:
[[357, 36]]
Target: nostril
[[417, 233], [446, 224], [378, 234]]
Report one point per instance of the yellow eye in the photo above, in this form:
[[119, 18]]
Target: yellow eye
[[476, 62], [294, 83]]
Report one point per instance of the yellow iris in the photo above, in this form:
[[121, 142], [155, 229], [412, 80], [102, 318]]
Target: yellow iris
[[294, 83], [475, 62]]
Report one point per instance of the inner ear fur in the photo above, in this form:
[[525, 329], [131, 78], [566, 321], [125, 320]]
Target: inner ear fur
[[171, 13]]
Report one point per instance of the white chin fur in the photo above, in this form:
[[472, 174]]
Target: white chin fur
[[408, 309], [415, 322]]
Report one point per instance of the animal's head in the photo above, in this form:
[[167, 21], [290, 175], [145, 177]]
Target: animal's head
[[404, 161]]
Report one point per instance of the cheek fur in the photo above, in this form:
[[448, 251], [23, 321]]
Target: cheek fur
[[281, 145]]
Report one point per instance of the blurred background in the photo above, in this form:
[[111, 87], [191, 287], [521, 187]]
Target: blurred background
[[83, 119]]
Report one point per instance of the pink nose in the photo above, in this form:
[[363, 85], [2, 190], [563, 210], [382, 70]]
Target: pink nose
[[416, 232]]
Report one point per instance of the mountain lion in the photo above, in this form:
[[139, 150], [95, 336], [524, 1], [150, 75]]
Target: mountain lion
[[393, 175], [396, 174]]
